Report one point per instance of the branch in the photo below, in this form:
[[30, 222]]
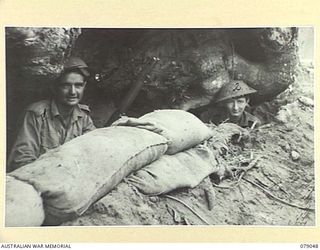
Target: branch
[[186, 205], [277, 198]]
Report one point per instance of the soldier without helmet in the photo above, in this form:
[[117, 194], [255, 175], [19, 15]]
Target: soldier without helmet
[[232, 100], [50, 123]]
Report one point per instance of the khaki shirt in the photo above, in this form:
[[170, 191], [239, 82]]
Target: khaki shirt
[[246, 120], [43, 129]]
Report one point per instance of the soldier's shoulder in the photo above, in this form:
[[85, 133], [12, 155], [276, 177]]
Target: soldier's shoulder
[[253, 119], [39, 108], [84, 107], [251, 116]]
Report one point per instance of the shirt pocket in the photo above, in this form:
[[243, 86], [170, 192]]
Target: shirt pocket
[[49, 141], [76, 130]]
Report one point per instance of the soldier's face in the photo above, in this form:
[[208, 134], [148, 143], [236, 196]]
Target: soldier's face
[[236, 106], [70, 90]]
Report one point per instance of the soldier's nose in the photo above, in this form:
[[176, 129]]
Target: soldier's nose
[[235, 106], [72, 90]]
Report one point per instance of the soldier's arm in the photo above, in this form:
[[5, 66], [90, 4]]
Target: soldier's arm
[[88, 125], [27, 146]]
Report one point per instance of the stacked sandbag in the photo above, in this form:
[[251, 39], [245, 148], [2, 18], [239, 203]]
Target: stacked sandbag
[[72, 177], [181, 128], [23, 204], [182, 170]]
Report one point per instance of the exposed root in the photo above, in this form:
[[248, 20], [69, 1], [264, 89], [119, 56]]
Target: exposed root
[[187, 206], [243, 171], [277, 198]]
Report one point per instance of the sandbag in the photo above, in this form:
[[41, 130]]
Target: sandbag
[[78, 173], [181, 128], [23, 204], [185, 169]]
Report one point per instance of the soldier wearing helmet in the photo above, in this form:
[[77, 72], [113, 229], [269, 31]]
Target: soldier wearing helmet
[[50, 123], [232, 100]]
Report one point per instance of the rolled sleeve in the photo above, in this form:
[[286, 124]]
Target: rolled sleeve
[[27, 146], [87, 125]]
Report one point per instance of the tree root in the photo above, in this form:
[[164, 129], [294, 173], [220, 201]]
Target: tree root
[[281, 159], [244, 170], [277, 198], [274, 182], [187, 206], [251, 165]]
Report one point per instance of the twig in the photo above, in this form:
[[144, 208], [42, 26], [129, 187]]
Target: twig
[[186, 221], [186, 205], [240, 190], [280, 158], [275, 183], [264, 126], [309, 194], [209, 192], [253, 125], [251, 165], [173, 213], [245, 169], [239, 179], [277, 198], [223, 187]]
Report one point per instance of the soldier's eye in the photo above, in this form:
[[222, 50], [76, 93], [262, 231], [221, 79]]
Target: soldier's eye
[[64, 85], [79, 84]]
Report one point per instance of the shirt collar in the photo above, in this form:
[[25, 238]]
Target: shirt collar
[[55, 111], [243, 121]]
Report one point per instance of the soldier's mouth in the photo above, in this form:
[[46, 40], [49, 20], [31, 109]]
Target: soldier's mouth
[[236, 113], [72, 100]]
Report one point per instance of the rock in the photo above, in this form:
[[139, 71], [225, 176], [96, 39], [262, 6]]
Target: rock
[[295, 155], [154, 199], [306, 101], [39, 51], [34, 57], [287, 147]]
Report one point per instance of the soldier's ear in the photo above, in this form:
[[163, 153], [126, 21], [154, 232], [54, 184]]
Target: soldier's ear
[[84, 84], [247, 100]]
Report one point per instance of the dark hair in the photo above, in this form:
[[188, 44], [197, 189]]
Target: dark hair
[[73, 70]]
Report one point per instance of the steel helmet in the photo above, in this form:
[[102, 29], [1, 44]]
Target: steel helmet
[[235, 88], [76, 63]]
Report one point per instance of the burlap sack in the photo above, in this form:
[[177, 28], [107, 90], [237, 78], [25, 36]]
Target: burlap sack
[[75, 175], [23, 204], [185, 169], [181, 128]]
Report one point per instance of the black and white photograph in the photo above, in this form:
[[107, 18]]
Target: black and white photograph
[[159, 127]]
